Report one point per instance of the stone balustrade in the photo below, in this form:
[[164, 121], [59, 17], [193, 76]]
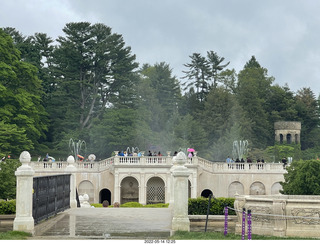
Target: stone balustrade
[[159, 161]]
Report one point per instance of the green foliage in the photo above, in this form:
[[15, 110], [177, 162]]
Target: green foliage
[[157, 205], [131, 205], [279, 151], [199, 206], [303, 178], [97, 205], [14, 235], [89, 88], [189, 235], [23, 117], [8, 178], [8, 207], [311, 153], [135, 205]]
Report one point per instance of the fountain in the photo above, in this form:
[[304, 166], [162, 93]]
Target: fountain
[[240, 149], [132, 150], [75, 148]]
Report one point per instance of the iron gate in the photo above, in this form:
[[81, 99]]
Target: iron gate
[[51, 195]]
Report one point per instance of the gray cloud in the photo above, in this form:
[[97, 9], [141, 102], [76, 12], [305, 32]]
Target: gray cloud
[[283, 35]]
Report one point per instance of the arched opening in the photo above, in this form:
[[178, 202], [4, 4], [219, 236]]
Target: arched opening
[[105, 194], [288, 138], [155, 191], [257, 188], [129, 190], [235, 188], [281, 138], [206, 193], [276, 188], [86, 187]]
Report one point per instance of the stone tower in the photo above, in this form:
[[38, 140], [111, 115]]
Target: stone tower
[[287, 131]]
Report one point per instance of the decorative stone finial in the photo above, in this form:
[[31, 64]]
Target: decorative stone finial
[[70, 159], [180, 159], [25, 157]]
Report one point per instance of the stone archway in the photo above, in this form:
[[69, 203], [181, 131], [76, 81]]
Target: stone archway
[[129, 190], [155, 191], [206, 193], [105, 194], [235, 188], [276, 188], [86, 187], [257, 188]]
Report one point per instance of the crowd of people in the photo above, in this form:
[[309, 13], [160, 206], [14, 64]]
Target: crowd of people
[[248, 160]]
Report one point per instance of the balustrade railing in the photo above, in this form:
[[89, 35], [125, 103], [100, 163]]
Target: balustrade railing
[[160, 160]]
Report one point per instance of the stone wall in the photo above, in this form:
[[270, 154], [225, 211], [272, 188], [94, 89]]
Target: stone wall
[[281, 215]]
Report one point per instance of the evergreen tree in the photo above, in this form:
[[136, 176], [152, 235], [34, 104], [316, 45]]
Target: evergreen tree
[[93, 70], [308, 113], [252, 91], [21, 110]]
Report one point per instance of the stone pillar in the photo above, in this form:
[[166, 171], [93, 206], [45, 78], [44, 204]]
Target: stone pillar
[[180, 175], [24, 220], [117, 188], [194, 185], [71, 169], [142, 189], [280, 225]]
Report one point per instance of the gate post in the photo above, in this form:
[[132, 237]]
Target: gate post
[[180, 174], [72, 170], [24, 220]]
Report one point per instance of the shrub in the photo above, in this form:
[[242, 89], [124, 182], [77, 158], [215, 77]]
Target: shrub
[[158, 205], [8, 207], [96, 205], [199, 206], [131, 205]]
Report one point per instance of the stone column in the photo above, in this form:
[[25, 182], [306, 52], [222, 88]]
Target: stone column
[[71, 169], [142, 189], [280, 225], [180, 174], [24, 220], [117, 188]]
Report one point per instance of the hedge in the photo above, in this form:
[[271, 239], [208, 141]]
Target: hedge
[[199, 206], [134, 205], [7, 207]]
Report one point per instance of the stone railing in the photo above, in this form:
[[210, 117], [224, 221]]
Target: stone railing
[[160, 161], [221, 167], [60, 166], [145, 160]]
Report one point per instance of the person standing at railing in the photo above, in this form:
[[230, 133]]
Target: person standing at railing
[[159, 155], [190, 155], [228, 160]]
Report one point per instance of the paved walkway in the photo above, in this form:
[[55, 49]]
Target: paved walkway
[[107, 223]]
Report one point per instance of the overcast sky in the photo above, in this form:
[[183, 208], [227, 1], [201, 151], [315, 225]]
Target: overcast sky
[[283, 35]]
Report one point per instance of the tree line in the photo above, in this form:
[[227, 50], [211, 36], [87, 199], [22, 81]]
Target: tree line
[[87, 85]]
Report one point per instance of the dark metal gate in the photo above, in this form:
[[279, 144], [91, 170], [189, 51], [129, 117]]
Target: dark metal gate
[[51, 195]]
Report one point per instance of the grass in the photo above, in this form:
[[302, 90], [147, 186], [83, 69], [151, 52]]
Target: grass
[[14, 235], [184, 235]]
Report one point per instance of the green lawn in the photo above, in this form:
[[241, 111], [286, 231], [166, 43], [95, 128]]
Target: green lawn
[[184, 235], [14, 235]]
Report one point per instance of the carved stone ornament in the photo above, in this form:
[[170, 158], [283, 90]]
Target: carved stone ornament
[[306, 216], [255, 210]]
